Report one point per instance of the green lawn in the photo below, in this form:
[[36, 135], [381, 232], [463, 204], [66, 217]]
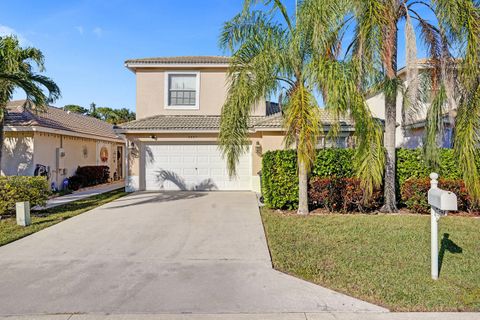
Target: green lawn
[[10, 231], [382, 259]]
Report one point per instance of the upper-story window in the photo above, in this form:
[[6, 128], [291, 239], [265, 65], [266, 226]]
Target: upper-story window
[[182, 90]]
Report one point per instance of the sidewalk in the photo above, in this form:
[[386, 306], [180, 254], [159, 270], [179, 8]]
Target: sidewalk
[[81, 194], [246, 316]]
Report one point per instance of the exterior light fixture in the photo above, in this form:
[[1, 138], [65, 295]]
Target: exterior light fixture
[[258, 148]]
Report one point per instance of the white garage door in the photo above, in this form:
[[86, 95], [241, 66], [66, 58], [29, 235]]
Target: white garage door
[[193, 167]]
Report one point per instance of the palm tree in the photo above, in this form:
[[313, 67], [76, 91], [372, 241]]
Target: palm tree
[[374, 49], [272, 54], [17, 71]]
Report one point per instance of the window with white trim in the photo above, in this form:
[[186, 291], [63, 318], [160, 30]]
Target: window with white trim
[[182, 90]]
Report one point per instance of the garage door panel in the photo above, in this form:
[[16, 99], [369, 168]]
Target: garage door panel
[[189, 159], [203, 172], [193, 167], [203, 159]]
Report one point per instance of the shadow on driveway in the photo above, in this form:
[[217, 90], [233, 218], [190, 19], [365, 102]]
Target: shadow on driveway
[[156, 197]]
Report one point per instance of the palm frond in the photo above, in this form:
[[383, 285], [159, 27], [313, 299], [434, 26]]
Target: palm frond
[[434, 128], [460, 21], [255, 69], [467, 140], [233, 137], [342, 97], [302, 122]]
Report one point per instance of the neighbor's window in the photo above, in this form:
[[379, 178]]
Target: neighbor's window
[[328, 142], [182, 90]]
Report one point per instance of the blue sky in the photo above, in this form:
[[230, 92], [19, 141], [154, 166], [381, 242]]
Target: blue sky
[[86, 42]]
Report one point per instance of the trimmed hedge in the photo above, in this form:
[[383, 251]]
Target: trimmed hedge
[[15, 189], [280, 180], [410, 164], [89, 176], [342, 195], [414, 192]]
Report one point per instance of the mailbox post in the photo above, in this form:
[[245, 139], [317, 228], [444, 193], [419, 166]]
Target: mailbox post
[[441, 202]]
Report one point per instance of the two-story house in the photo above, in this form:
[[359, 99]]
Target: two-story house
[[173, 143], [410, 130]]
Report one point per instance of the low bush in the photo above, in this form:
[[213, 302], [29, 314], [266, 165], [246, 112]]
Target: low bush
[[89, 176], [15, 189], [411, 164], [414, 195], [75, 182], [334, 163], [280, 181], [341, 194]]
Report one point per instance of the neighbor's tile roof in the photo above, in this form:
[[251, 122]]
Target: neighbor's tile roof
[[211, 123], [58, 119], [181, 60]]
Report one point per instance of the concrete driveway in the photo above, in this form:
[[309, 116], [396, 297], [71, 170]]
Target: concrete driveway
[[157, 253]]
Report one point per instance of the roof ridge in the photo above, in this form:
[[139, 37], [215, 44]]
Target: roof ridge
[[206, 59], [57, 118]]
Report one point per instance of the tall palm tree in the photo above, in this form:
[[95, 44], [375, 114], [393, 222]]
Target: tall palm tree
[[374, 49], [17, 71], [272, 54]]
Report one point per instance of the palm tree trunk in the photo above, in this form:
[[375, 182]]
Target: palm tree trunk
[[390, 201], [302, 188]]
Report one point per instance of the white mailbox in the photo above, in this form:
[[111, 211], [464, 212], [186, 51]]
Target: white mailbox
[[442, 200]]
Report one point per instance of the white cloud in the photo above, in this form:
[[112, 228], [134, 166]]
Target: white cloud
[[7, 31], [79, 29], [98, 31]]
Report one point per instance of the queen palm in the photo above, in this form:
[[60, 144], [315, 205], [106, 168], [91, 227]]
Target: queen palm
[[272, 54], [375, 25], [16, 71]]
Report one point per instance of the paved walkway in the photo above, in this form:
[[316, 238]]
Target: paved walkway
[[268, 316], [159, 253], [77, 195]]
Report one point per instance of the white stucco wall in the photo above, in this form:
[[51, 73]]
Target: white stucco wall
[[405, 139], [23, 151], [17, 155]]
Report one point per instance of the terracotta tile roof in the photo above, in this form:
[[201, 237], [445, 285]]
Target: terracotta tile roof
[[210, 123], [275, 121], [58, 119], [181, 60], [174, 122]]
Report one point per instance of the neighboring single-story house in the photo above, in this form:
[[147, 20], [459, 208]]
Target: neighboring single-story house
[[173, 144], [56, 142]]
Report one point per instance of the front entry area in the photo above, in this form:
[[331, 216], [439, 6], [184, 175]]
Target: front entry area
[[193, 167]]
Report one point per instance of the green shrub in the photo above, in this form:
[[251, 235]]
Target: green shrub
[[75, 182], [333, 163], [89, 176], [342, 195], [15, 189], [280, 181], [414, 195], [411, 164]]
